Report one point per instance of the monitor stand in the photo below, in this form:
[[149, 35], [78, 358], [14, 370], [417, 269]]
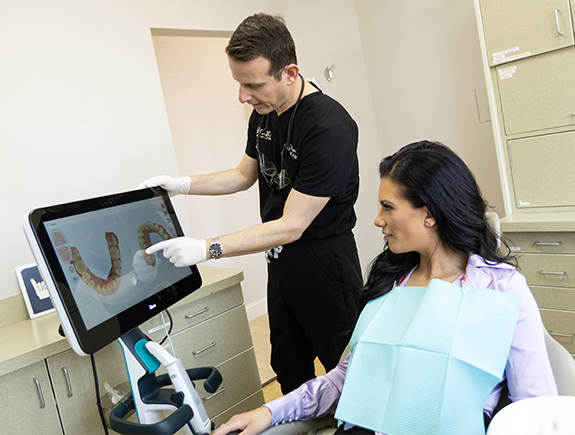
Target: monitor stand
[[143, 357]]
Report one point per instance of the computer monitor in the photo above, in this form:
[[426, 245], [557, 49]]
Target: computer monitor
[[91, 254]]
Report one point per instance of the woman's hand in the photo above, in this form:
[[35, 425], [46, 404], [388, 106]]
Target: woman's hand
[[248, 423]]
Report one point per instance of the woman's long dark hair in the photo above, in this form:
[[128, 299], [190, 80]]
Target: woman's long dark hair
[[430, 174]]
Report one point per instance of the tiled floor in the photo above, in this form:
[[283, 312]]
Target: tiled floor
[[260, 335]]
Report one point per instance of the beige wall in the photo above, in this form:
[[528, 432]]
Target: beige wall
[[327, 33], [208, 129], [83, 111], [424, 65]]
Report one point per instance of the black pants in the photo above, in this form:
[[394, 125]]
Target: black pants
[[310, 306], [354, 430]]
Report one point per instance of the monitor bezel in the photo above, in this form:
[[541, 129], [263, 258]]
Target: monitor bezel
[[88, 341]]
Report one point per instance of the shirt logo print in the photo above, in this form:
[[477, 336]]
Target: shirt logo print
[[292, 151], [264, 134]]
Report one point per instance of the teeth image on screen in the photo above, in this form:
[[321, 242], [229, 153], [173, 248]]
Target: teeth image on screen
[[144, 231], [109, 285], [102, 286]]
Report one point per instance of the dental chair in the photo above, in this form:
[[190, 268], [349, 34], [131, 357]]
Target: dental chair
[[543, 415]]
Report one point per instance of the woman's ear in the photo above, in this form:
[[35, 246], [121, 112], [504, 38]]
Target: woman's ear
[[428, 220]]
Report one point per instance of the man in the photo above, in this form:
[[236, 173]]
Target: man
[[302, 148]]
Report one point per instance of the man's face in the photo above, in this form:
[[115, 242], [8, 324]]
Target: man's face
[[258, 87]]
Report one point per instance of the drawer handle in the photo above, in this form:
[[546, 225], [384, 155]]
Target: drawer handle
[[189, 316], [542, 272], [42, 403], [209, 346], [557, 22], [562, 335], [548, 243], [215, 394], [70, 393]]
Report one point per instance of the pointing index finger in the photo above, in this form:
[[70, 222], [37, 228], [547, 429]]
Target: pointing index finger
[[158, 247]]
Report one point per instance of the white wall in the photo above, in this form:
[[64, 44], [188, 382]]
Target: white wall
[[423, 63], [326, 33], [82, 110], [208, 129]]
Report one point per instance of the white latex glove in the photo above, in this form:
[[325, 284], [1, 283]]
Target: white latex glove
[[181, 251], [174, 186]]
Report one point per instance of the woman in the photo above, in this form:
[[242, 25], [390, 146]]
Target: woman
[[435, 344]]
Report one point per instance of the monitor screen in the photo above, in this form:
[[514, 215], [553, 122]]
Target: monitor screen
[[91, 254]]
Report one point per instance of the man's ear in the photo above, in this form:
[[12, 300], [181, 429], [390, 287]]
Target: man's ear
[[291, 73]]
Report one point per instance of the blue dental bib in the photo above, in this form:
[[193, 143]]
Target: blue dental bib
[[424, 360]]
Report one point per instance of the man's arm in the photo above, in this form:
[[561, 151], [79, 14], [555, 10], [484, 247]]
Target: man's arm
[[231, 181], [217, 183], [299, 212]]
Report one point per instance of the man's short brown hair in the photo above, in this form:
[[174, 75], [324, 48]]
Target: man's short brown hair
[[267, 36]]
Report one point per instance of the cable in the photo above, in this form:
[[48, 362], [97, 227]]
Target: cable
[[169, 331], [98, 394]]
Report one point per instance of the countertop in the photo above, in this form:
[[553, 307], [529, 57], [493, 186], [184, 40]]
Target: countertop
[[29, 341]]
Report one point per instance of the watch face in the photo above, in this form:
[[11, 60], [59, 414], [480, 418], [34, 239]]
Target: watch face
[[216, 250]]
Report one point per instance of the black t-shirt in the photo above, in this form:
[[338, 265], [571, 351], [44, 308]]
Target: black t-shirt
[[320, 161]]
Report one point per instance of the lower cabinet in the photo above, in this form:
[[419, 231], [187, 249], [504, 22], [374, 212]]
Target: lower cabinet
[[27, 402], [547, 260], [57, 396], [74, 388]]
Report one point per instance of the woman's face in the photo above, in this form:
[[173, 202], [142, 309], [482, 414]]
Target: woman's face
[[402, 225]]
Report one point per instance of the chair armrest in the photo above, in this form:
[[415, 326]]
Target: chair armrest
[[301, 427]]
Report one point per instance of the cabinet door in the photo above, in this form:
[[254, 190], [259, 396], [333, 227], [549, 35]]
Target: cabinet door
[[518, 28], [74, 389], [27, 402], [538, 93], [542, 170]]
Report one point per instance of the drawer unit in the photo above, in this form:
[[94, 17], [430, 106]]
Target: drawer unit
[[190, 311], [555, 298], [544, 243], [241, 379], [213, 341], [252, 402], [548, 270], [561, 326], [547, 260]]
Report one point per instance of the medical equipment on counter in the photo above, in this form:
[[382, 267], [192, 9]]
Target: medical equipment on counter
[[91, 255], [150, 400]]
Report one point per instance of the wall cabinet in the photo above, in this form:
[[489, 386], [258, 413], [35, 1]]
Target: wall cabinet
[[515, 29], [542, 171], [529, 65], [54, 392], [532, 100], [536, 93]]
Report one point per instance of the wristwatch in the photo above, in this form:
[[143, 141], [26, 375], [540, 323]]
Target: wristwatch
[[215, 249]]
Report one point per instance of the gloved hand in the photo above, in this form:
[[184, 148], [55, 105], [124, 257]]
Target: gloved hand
[[182, 251], [174, 186]]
